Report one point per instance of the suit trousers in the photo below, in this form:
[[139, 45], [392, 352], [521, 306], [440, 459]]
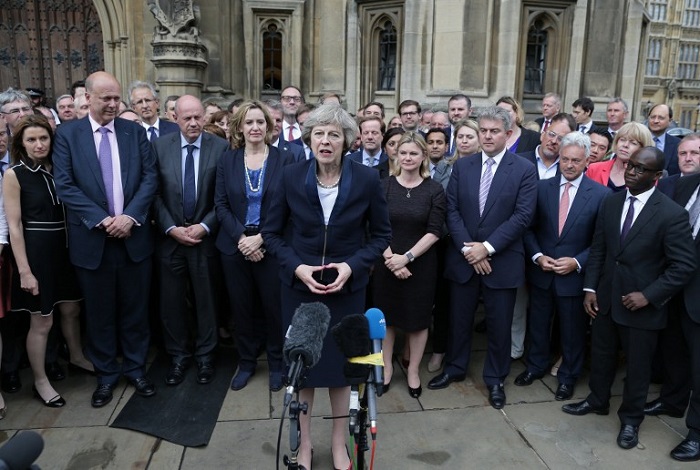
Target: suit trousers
[[187, 283], [498, 305], [544, 303], [519, 326], [251, 285], [441, 307], [116, 303], [675, 359], [691, 330]]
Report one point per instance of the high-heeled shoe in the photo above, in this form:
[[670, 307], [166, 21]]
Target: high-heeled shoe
[[385, 387], [78, 368], [415, 392], [55, 402], [349, 457], [3, 412]]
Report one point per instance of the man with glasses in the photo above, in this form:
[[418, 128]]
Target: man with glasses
[[546, 156], [143, 99], [642, 254], [14, 105], [291, 99], [410, 114]]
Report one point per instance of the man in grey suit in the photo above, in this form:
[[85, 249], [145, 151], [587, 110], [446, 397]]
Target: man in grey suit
[[187, 225]]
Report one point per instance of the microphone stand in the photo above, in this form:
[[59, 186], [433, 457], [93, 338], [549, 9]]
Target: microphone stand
[[296, 375]]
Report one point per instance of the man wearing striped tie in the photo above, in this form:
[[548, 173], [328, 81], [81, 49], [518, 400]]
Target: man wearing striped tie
[[491, 201]]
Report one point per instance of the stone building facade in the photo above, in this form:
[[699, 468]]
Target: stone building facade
[[382, 50]]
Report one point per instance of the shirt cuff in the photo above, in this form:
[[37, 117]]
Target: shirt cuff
[[167, 230], [537, 255], [578, 266], [489, 248], [205, 227], [587, 289], [133, 220]]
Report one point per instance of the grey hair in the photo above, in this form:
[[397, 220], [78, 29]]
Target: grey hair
[[63, 97], [11, 95], [274, 104], [331, 114], [577, 139], [139, 84], [556, 97], [617, 99], [495, 113]]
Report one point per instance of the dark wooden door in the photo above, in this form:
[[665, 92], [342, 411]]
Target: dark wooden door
[[48, 44]]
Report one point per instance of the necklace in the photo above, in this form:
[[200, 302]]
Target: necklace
[[328, 186], [408, 190], [248, 170]]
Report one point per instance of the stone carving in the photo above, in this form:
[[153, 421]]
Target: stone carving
[[672, 88], [176, 19]]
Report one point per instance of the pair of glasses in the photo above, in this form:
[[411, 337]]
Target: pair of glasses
[[409, 113], [296, 99], [554, 135], [639, 169], [24, 109]]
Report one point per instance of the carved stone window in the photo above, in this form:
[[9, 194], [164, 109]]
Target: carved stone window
[[387, 58], [654, 57], [272, 58], [536, 59]]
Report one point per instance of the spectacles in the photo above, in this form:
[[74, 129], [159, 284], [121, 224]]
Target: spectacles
[[24, 109], [409, 113], [145, 101], [296, 99], [639, 169], [554, 135]]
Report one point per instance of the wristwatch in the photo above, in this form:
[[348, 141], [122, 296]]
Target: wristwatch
[[410, 256]]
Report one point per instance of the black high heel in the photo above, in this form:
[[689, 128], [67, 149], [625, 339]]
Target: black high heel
[[55, 402]]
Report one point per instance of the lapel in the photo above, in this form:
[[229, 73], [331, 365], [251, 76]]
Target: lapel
[[271, 167], [312, 191], [343, 189], [90, 153], [580, 200], [176, 162], [552, 202], [123, 138], [646, 215], [502, 175], [204, 156]]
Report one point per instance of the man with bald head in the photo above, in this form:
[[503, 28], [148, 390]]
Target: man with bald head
[[659, 120], [186, 224], [104, 171]]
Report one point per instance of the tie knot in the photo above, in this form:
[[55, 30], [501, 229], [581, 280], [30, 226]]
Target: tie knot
[[490, 161], [151, 129], [567, 186], [190, 148], [632, 199], [103, 130]]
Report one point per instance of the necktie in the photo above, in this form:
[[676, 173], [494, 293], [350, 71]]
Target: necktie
[[105, 157], [370, 161], [564, 206], [657, 142], [694, 214], [3, 167], [189, 197], [152, 134], [627, 224], [545, 125], [582, 129], [485, 184], [290, 137]]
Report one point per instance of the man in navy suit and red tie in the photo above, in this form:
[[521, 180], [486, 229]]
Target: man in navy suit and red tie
[[491, 200], [557, 244], [105, 173]]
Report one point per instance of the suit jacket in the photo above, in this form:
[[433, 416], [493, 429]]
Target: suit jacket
[[685, 187], [78, 180], [656, 258], [167, 206], [576, 236], [167, 127], [528, 141], [600, 171], [357, 157], [360, 208], [231, 199], [540, 121], [671, 154], [442, 173], [531, 157], [508, 212], [667, 185], [296, 151]]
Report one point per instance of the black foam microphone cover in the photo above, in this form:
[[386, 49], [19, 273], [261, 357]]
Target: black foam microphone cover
[[306, 333], [351, 335]]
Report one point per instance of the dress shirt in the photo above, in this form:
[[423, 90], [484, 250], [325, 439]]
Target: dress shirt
[[366, 157], [155, 125], [542, 169], [296, 132], [195, 155], [660, 141], [5, 162], [692, 199], [584, 128], [639, 204], [117, 189]]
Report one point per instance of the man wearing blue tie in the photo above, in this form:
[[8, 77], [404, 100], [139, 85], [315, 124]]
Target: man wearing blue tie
[[144, 100], [660, 117], [105, 173]]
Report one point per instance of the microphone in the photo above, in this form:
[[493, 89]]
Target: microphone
[[304, 342], [377, 333], [20, 452]]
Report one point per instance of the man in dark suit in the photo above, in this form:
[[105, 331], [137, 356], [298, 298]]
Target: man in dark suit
[[688, 162], [551, 106], [105, 173], [276, 111], [187, 227], [491, 200], [546, 156], [143, 99], [371, 154], [660, 117], [642, 254], [558, 243]]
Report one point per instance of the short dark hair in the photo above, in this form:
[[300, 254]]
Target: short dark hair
[[461, 96], [375, 103], [584, 103], [234, 103], [407, 103], [365, 119], [567, 118], [603, 132], [442, 131], [76, 84], [306, 108], [659, 156]]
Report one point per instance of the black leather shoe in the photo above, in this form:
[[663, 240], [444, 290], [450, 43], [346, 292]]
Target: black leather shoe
[[276, 381], [415, 392], [176, 374], [687, 451], [583, 408], [497, 396], [240, 380], [102, 395], [143, 386], [658, 407], [526, 378], [628, 437], [10, 382], [205, 371], [564, 392], [444, 380], [55, 372]]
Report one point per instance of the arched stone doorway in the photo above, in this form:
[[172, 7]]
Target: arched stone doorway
[[49, 44]]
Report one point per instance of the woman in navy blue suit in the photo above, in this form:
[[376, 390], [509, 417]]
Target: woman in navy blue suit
[[337, 222], [246, 180]]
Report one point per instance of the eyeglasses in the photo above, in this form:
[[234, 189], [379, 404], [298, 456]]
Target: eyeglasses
[[146, 101], [409, 113], [638, 169], [296, 99], [554, 135], [24, 109]]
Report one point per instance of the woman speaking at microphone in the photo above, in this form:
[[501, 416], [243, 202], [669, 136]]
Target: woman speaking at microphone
[[328, 225]]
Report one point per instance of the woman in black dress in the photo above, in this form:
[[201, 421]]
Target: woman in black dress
[[335, 217], [44, 278], [404, 284], [521, 139]]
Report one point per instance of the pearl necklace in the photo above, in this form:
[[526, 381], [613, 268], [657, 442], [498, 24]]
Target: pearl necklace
[[247, 171], [328, 186]]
